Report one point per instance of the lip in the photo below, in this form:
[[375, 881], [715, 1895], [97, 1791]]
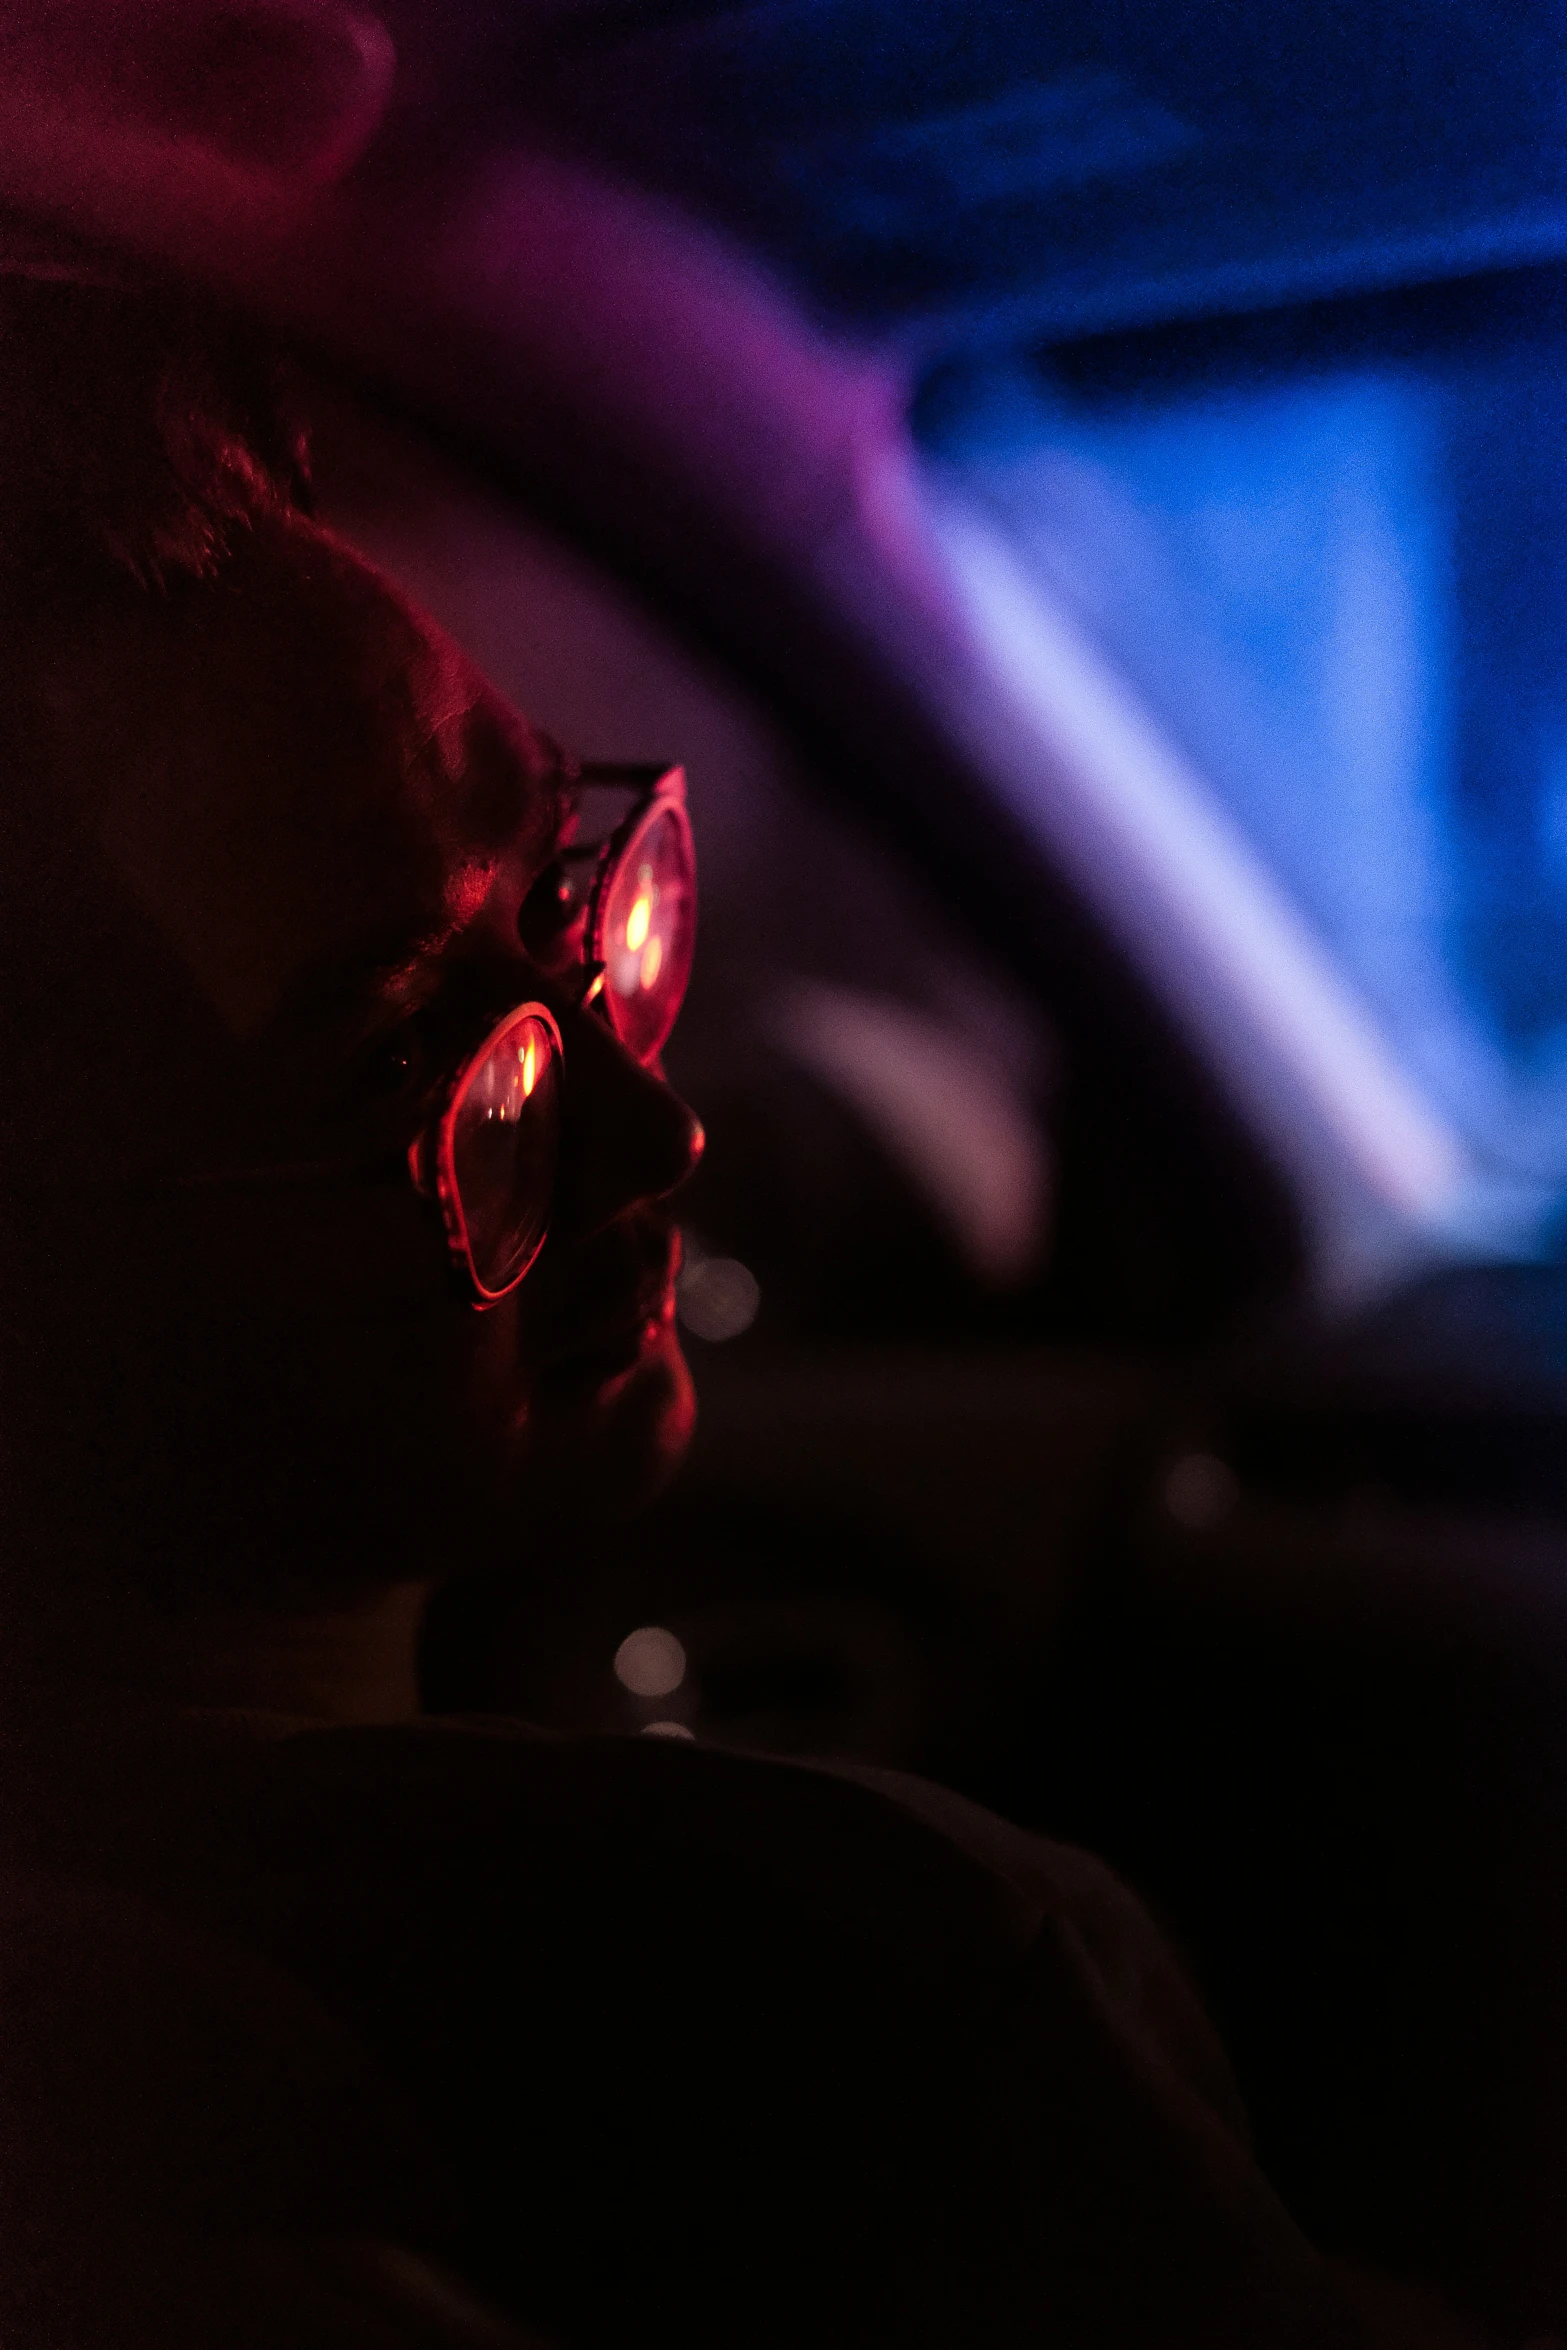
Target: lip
[[596, 1355]]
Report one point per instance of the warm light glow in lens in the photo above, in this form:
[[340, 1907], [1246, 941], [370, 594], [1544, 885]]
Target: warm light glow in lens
[[503, 1136], [649, 918]]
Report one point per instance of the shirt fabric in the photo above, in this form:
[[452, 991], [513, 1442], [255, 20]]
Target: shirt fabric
[[640, 2042]]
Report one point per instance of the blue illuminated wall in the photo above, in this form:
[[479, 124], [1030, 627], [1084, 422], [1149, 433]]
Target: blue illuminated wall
[[1329, 552]]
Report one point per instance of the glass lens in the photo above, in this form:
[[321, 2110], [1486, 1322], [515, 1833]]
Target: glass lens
[[504, 1129], [649, 930]]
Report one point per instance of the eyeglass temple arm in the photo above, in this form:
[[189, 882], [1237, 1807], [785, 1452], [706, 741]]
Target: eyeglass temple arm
[[646, 775]]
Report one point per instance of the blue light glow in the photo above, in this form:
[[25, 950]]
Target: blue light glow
[[1337, 587]]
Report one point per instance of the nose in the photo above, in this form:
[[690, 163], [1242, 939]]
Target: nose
[[626, 1135]]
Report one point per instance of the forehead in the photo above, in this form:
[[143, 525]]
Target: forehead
[[317, 778]]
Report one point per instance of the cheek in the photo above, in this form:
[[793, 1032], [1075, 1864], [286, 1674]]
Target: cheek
[[494, 1376], [339, 1327], [353, 1332]]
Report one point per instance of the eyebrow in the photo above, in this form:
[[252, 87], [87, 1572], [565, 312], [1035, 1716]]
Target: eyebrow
[[527, 785], [400, 970]]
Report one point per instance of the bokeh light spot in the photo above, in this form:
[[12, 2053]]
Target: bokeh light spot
[[1201, 1491], [650, 1662], [717, 1298]]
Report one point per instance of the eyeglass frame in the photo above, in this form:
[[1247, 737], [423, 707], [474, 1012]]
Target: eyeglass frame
[[433, 1172]]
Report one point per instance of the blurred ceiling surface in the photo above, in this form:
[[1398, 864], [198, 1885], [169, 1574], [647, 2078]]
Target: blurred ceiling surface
[[924, 179], [972, 166], [976, 168]]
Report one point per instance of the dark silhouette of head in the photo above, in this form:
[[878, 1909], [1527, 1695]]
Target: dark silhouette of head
[[258, 817]]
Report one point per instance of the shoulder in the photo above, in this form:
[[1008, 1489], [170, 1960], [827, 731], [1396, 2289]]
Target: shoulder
[[791, 2022], [860, 1849], [948, 2061], [871, 1871]]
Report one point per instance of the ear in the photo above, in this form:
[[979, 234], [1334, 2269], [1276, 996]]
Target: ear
[[112, 110]]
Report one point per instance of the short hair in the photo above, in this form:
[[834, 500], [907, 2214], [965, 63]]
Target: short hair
[[142, 426], [146, 432], [152, 457]]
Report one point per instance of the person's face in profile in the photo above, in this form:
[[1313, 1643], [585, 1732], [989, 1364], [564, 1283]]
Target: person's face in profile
[[354, 930]]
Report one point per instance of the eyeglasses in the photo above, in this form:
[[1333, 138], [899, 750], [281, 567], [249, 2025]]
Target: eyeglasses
[[614, 913], [611, 926]]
